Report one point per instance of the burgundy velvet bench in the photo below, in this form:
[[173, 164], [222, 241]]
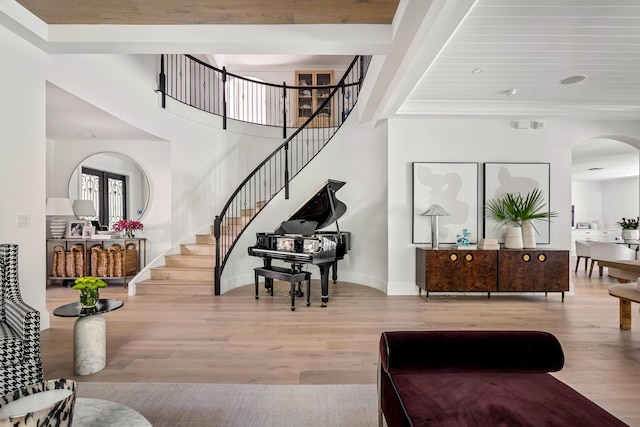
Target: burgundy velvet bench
[[478, 378]]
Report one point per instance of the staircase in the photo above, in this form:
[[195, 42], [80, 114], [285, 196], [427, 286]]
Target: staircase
[[190, 272], [196, 270]]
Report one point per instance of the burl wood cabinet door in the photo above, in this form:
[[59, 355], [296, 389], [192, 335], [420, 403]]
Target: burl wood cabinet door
[[516, 270], [442, 270], [553, 270], [479, 271], [460, 270], [533, 271]]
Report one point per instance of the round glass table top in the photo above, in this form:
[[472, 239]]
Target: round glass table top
[[75, 309]]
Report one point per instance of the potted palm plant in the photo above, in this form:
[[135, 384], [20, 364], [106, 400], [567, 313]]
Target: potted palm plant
[[518, 212], [532, 208], [505, 211]]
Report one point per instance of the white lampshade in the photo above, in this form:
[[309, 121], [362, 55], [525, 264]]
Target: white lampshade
[[58, 207], [84, 208]]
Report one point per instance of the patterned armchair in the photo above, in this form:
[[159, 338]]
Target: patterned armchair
[[20, 360]]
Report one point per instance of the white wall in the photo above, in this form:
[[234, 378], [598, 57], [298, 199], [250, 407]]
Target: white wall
[[606, 202], [586, 198], [479, 140], [22, 163], [357, 156], [191, 172], [200, 163], [620, 198]]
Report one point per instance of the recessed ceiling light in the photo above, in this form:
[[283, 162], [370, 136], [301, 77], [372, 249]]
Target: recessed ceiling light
[[477, 70], [572, 80]]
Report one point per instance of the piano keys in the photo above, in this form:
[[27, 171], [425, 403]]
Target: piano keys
[[299, 241]]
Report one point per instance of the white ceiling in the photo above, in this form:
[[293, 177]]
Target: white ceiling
[[70, 118], [431, 50], [530, 45], [604, 159]]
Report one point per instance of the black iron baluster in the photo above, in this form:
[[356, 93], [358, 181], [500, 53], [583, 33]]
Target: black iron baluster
[[162, 82], [284, 109], [224, 98], [286, 171]]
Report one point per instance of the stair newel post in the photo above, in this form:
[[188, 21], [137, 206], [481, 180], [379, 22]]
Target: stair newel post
[[162, 82], [286, 171], [284, 109], [224, 98], [216, 233]]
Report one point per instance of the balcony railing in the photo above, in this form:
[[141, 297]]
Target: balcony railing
[[200, 85]]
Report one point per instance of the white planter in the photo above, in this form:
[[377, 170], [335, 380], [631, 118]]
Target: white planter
[[631, 236], [513, 238], [528, 235]]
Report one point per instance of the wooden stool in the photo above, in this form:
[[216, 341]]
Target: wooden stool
[[285, 274]]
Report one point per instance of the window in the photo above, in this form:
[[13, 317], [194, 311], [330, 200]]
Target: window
[[108, 192]]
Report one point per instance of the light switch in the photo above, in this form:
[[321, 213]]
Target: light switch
[[24, 221]]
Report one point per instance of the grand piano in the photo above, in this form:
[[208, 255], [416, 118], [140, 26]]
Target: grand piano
[[299, 241]]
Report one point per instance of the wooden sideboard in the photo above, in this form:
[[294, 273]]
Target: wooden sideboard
[[505, 270]]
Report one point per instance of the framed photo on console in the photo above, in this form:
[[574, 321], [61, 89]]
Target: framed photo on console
[[503, 178], [88, 231], [75, 228], [453, 186]]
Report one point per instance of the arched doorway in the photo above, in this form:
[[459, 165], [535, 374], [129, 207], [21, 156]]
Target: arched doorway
[[604, 186]]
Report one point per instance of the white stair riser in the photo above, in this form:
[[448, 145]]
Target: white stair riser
[[193, 261], [175, 274]]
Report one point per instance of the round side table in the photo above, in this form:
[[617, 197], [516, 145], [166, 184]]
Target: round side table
[[89, 334], [104, 413]]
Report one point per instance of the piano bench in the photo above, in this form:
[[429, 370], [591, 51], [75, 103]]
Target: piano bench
[[287, 275]]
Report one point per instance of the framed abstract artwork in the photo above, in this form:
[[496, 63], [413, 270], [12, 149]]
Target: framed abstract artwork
[[453, 186], [502, 178]]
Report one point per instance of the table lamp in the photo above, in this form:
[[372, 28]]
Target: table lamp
[[435, 211], [58, 207], [84, 209]]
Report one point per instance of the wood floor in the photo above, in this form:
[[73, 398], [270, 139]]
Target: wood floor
[[237, 339]]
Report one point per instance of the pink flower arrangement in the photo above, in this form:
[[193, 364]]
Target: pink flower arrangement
[[128, 226]]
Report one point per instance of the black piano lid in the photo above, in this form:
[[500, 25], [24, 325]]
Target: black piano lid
[[318, 206]]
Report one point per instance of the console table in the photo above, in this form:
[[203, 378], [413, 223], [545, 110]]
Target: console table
[[89, 334], [140, 244], [505, 270]]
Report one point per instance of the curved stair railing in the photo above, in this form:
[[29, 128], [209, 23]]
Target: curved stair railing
[[284, 163]]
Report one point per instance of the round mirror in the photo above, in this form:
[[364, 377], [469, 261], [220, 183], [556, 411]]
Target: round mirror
[[115, 184]]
